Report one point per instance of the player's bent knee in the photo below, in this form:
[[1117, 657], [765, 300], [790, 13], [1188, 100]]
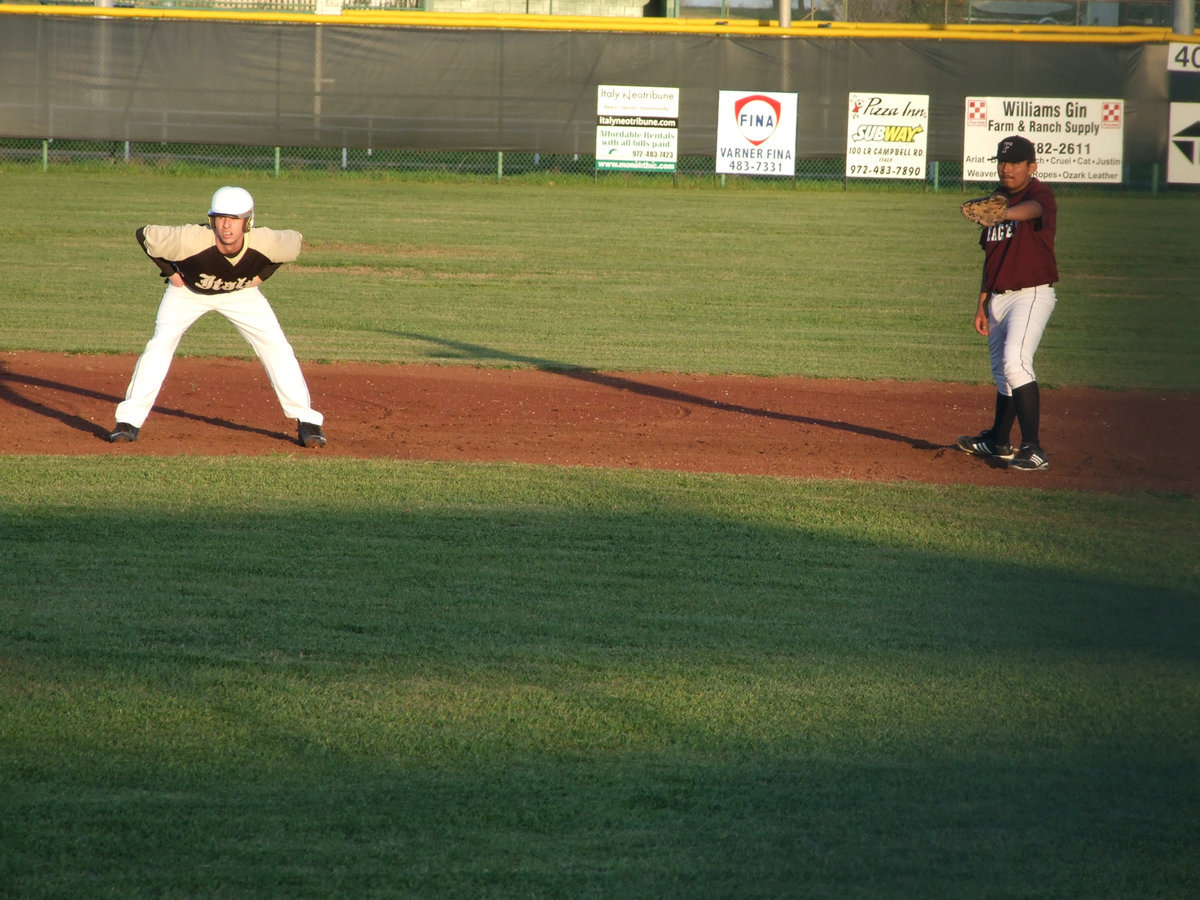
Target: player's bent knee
[[1018, 378]]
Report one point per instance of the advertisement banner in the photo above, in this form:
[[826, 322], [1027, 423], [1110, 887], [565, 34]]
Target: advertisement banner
[[756, 133], [1078, 140], [886, 135], [637, 128], [1183, 152]]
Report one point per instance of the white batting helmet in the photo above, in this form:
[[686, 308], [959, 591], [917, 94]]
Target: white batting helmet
[[233, 201]]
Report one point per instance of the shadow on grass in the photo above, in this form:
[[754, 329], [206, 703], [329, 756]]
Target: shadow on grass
[[639, 703], [491, 585], [672, 826]]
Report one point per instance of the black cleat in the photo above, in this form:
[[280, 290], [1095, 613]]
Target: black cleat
[[1030, 458], [310, 435], [983, 445], [124, 433]]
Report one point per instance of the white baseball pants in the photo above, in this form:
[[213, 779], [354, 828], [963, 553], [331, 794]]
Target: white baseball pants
[[1016, 320], [251, 314]]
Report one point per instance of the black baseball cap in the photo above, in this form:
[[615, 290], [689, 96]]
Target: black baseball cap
[[1015, 149]]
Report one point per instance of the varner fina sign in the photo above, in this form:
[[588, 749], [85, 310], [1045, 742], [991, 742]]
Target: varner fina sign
[[756, 133]]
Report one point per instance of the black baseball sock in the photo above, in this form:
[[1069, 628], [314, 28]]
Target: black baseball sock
[[1006, 411], [1027, 402]]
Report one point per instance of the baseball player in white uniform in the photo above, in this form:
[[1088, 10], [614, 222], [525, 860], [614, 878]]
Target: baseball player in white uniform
[[218, 267]]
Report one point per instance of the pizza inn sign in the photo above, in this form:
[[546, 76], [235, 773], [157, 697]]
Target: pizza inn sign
[[886, 135]]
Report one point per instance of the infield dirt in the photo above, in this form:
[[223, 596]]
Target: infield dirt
[[793, 427]]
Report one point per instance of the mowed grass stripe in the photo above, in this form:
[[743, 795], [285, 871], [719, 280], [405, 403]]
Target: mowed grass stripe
[[764, 280], [283, 676]]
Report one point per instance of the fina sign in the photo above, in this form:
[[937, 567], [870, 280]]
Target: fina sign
[[756, 133]]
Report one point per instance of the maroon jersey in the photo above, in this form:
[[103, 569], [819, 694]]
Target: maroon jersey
[[1021, 254]]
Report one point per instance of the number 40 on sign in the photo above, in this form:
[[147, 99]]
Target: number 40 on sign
[[1183, 58]]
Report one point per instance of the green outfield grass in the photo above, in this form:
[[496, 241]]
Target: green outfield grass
[[756, 280], [302, 678], [305, 676]]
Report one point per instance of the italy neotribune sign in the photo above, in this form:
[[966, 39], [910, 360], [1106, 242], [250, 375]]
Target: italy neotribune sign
[[637, 128]]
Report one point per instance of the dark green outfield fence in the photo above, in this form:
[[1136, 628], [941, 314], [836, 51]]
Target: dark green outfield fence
[[501, 98]]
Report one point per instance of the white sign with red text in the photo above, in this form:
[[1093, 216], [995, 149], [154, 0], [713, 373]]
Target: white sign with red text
[[886, 135], [1076, 139], [756, 133]]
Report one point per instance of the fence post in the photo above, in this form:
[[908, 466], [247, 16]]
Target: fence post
[[499, 164], [276, 162], [1185, 17], [45, 156]]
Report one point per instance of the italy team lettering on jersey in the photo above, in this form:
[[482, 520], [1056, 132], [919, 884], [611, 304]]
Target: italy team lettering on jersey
[[190, 251]]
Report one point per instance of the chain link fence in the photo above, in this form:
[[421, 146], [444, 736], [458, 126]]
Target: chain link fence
[[811, 174], [945, 12]]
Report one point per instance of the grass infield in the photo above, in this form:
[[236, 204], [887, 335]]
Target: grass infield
[[292, 676]]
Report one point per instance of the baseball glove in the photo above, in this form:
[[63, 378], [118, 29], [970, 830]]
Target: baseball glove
[[986, 211]]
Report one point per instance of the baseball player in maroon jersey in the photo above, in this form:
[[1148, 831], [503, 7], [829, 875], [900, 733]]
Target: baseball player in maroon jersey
[[218, 267], [1016, 297]]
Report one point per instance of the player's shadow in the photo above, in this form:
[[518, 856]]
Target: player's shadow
[[9, 394], [479, 353]]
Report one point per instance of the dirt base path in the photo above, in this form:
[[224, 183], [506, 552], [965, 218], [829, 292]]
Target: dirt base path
[[796, 427]]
